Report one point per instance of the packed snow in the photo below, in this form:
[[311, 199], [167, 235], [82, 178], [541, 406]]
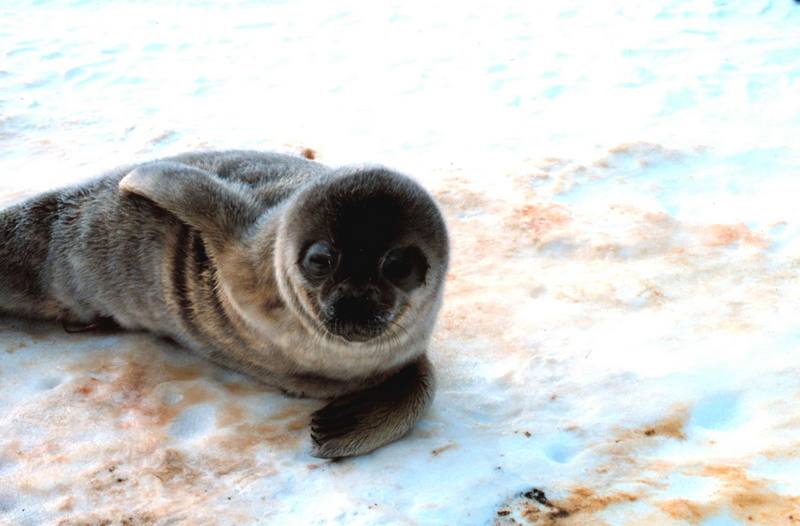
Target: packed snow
[[619, 342]]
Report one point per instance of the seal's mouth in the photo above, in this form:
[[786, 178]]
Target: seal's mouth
[[356, 332], [356, 319]]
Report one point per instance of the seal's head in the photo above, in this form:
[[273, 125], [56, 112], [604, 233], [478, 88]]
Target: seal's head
[[364, 253]]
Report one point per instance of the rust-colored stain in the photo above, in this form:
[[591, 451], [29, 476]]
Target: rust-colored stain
[[539, 219], [727, 235], [88, 386], [297, 424], [584, 501], [67, 504], [289, 411], [686, 510], [183, 373], [246, 436], [458, 197], [245, 388], [671, 426], [163, 414], [580, 507], [309, 153], [230, 413], [174, 467], [133, 382], [750, 500]]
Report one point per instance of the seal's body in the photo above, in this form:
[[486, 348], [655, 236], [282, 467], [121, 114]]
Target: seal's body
[[324, 283]]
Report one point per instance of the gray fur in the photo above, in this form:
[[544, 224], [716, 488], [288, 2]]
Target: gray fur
[[203, 247]]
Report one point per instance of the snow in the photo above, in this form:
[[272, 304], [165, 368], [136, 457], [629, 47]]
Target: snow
[[619, 329]]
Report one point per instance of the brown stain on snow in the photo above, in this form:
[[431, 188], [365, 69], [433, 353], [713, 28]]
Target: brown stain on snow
[[230, 413], [538, 220], [456, 201], [290, 411], [173, 467], [726, 235], [246, 387], [670, 427], [751, 499], [687, 510], [584, 501], [66, 504], [183, 373], [580, 507], [246, 436], [747, 499]]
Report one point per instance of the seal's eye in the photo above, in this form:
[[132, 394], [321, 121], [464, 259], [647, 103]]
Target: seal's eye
[[405, 267], [396, 266], [320, 259]]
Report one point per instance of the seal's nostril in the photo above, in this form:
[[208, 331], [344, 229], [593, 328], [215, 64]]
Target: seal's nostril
[[365, 292], [371, 293]]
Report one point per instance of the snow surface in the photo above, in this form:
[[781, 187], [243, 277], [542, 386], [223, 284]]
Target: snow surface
[[619, 342]]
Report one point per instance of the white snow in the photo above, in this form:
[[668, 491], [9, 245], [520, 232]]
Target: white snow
[[620, 326]]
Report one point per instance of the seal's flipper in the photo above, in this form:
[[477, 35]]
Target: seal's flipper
[[219, 209], [361, 422]]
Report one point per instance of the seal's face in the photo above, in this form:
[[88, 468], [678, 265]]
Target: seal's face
[[360, 281], [369, 257]]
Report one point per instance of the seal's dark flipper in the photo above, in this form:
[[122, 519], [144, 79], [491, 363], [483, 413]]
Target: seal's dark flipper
[[100, 325], [361, 422]]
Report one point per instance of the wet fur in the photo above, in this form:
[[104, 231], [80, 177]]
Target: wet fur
[[202, 248]]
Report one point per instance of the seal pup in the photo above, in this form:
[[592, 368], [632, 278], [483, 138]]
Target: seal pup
[[322, 282]]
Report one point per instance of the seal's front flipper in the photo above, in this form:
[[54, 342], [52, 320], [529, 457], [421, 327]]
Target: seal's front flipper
[[219, 209], [361, 422]]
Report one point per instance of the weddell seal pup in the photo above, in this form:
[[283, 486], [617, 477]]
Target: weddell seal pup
[[322, 282]]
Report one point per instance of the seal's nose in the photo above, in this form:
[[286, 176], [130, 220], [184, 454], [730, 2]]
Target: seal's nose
[[364, 292]]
